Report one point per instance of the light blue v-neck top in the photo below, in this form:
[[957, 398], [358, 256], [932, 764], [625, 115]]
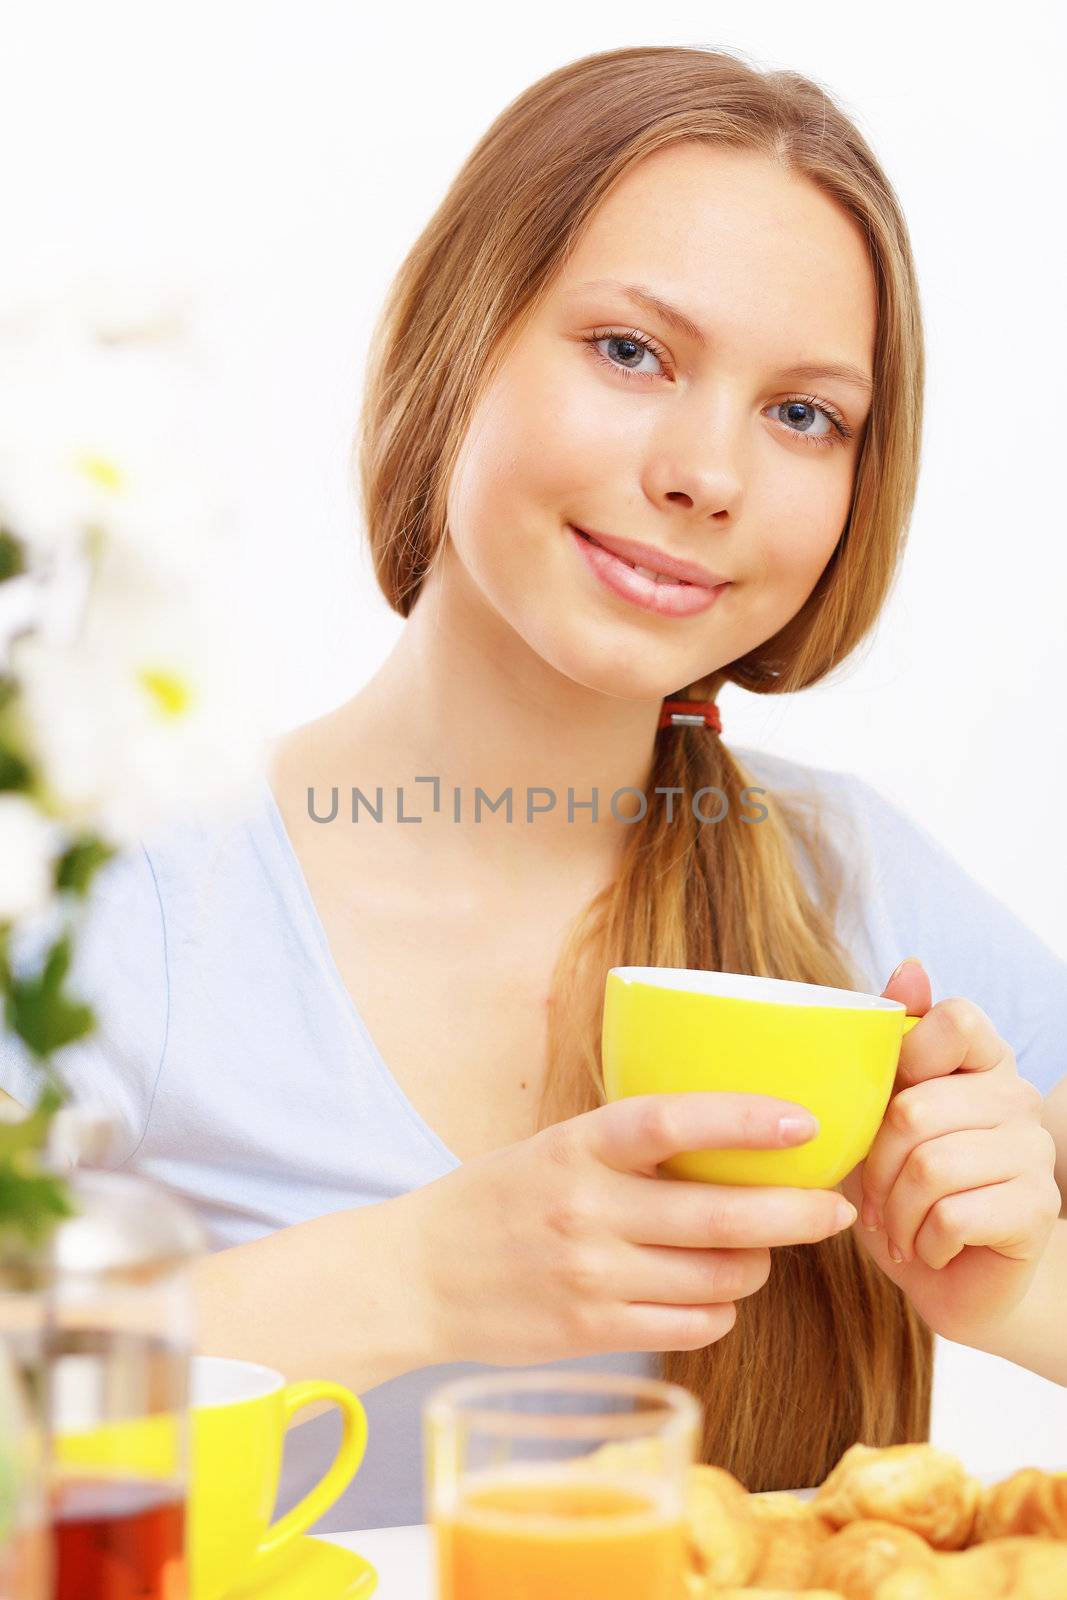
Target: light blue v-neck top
[[246, 1080]]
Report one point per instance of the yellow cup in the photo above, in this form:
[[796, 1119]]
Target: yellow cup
[[238, 1416], [834, 1051], [240, 1413]]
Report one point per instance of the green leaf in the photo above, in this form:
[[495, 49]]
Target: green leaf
[[15, 771], [75, 868], [31, 1201], [38, 1010], [12, 555], [31, 1131]]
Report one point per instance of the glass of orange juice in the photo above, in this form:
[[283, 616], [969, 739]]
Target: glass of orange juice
[[569, 1485]]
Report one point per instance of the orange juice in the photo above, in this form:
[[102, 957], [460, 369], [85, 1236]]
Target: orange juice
[[529, 1538]]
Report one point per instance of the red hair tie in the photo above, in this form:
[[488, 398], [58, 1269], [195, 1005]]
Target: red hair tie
[[689, 714]]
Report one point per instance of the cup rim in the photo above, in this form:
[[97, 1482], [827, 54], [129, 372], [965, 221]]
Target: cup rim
[[680, 1410], [260, 1381], [753, 987]]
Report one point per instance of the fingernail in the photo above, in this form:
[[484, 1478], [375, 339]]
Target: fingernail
[[797, 1128], [894, 1253], [916, 959], [869, 1215], [845, 1213]]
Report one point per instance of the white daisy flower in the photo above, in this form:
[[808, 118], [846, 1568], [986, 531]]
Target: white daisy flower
[[28, 846], [135, 697]]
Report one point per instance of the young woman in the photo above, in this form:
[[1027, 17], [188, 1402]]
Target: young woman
[[663, 326]]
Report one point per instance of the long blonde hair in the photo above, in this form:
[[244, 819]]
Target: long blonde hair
[[829, 1351]]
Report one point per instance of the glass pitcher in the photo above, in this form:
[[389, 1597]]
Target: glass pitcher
[[24, 1542], [118, 1339]]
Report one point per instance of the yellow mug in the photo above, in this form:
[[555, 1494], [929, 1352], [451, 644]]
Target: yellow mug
[[240, 1413], [238, 1416], [834, 1051]]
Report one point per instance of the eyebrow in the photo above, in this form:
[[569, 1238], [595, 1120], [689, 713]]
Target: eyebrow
[[676, 318]]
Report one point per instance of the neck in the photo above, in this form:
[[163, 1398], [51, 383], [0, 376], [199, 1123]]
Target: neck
[[463, 699]]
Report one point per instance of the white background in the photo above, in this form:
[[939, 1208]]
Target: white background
[[284, 156]]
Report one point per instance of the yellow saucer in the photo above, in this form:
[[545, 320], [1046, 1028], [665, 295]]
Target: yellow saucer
[[312, 1570]]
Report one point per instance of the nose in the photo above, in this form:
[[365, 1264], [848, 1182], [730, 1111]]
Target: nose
[[695, 464]]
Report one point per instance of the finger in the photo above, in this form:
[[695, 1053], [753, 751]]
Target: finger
[[658, 1327], [955, 1035], [1000, 1216], [636, 1134], [698, 1216], [927, 1111], [910, 984], [955, 1162], [691, 1277]]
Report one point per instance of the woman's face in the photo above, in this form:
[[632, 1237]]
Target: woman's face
[[717, 444]]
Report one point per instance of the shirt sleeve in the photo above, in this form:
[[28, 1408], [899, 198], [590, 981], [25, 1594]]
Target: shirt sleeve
[[917, 900], [119, 968]]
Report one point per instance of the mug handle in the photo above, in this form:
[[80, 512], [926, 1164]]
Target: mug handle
[[909, 1023], [343, 1468]]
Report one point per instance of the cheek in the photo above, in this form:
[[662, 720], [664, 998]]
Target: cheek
[[597, 428], [804, 519], [533, 445]]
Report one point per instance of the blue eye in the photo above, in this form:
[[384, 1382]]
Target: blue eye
[[629, 350], [628, 346], [818, 411]]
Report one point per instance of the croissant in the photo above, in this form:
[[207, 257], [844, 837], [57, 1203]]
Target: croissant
[[626, 1455], [860, 1555], [774, 1594], [1022, 1568], [724, 1544], [775, 1505], [887, 1524], [912, 1485], [916, 1583], [1028, 1502], [790, 1535]]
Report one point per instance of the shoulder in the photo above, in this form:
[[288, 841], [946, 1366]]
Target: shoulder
[[118, 968], [800, 780], [827, 816], [911, 895], [870, 834], [143, 908]]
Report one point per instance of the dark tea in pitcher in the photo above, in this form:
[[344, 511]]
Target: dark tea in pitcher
[[118, 1540]]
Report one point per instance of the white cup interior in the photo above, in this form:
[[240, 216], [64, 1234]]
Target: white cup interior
[[744, 986], [222, 1381]]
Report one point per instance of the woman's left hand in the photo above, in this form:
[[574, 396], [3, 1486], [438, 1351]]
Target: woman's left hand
[[957, 1198]]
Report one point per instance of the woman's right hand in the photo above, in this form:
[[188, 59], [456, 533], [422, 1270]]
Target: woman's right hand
[[568, 1243]]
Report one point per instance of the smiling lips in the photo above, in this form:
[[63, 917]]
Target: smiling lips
[[647, 577], [645, 558]]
